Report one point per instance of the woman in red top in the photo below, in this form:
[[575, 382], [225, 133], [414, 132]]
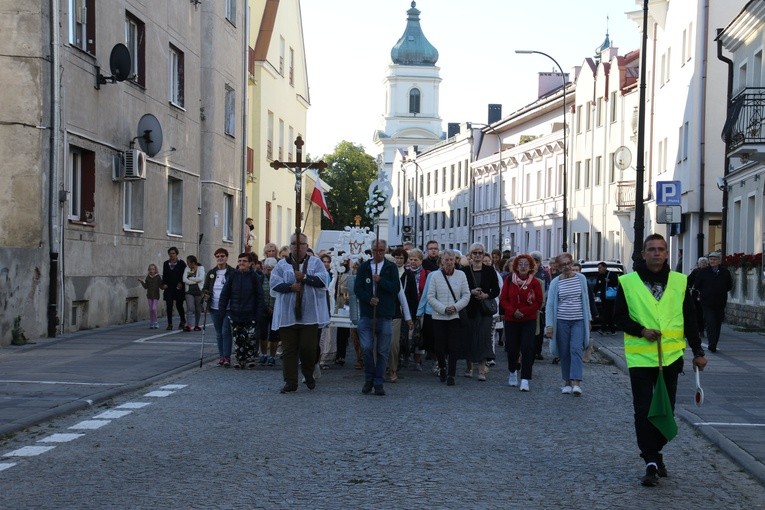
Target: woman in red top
[[521, 300]]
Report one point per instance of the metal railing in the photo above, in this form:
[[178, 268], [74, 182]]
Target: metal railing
[[746, 115], [625, 195]]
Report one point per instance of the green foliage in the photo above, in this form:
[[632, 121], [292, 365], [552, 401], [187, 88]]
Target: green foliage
[[349, 171], [527, 138]]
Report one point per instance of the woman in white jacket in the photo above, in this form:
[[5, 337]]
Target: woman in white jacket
[[194, 278], [448, 293]]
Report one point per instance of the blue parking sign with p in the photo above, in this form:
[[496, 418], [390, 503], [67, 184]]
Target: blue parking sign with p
[[668, 193]]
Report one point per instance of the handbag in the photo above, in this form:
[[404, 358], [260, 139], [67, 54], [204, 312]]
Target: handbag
[[417, 334], [193, 290], [488, 306], [610, 291], [464, 319]]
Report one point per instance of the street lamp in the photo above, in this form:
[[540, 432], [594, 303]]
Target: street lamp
[[501, 195], [414, 219], [565, 155]]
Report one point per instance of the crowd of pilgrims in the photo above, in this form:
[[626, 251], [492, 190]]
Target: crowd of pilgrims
[[502, 300]]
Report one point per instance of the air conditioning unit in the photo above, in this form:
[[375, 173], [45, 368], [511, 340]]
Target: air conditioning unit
[[135, 164]]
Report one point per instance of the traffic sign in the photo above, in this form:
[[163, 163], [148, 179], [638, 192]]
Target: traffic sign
[[668, 193], [669, 213]]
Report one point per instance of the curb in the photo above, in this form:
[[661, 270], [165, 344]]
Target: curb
[[728, 447], [95, 399]]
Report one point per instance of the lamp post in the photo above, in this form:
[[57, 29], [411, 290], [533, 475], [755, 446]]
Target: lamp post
[[501, 195], [565, 154], [414, 218]]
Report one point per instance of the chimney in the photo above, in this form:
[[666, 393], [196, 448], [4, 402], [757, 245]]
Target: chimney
[[495, 113], [453, 129], [549, 82]]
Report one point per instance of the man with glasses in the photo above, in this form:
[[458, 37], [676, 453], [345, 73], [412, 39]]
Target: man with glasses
[[713, 283], [299, 283], [376, 287], [433, 260]]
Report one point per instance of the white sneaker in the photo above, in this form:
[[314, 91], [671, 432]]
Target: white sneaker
[[577, 391], [317, 371], [468, 373], [512, 380], [524, 385], [566, 390]]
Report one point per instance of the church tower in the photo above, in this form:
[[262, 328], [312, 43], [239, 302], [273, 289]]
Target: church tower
[[411, 96]]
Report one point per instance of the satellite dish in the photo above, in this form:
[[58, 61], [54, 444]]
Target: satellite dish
[[120, 62], [622, 158], [149, 134]]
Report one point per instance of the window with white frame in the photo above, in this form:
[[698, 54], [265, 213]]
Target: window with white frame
[[414, 101], [82, 25], [588, 116], [587, 173], [281, 140], [174, 206], [292, 67], [132, 204], [231, 11], [176, 77], [230, 113], [228, 217], [611, 167], [135, 40], [282, 49], [599, 112], [682, 153], [578, 175], [598, 169], [82, 185], [613, 107]]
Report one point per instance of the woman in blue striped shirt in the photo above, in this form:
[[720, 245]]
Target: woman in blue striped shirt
[[567, 323]]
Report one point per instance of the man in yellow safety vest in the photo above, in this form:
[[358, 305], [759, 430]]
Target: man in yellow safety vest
[[647, 308]]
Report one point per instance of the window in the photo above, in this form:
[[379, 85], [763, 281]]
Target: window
[[682, 154], [684, 50], [599, 112], [174, 206], [135, 40], [587, 173], [228, 217], [176, 77], [292, 67], [459, 174], [443, 219], [270, 137], [578, 175], [669, 62], [290, 143], [282, 49], [230, 111], [414, 101], [690, 42], [268, 222], [435, 182], [281, 140], [231, 11], [451, 219], [548, 182], [579, 119], [614, 109], [443, 180], [539, 184], [588, 116], [82, 25], [611, 168], [598, 169], [451, 185], [82, 185], [428, 190], [132, 201]]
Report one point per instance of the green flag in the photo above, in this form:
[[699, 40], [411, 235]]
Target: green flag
[[660, 413]]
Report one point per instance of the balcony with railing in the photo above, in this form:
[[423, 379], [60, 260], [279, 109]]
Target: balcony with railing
[[744, 133], [625, 196]]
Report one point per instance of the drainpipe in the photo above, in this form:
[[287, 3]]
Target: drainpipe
[[53, 199], [702, 110], [726, 166], [245, 83]]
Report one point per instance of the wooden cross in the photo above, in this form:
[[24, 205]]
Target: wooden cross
[[298, 168]]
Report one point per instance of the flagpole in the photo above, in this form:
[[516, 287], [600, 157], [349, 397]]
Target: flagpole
[[307, 213]]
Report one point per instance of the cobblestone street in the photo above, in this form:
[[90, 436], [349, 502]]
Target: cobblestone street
[[228, 439]]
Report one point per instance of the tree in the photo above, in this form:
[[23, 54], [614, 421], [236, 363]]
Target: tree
[[349, 171]]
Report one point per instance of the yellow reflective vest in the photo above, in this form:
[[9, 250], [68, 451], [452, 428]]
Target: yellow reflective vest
[[665, 315]]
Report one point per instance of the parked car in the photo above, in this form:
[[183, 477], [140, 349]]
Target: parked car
[[590, 271]]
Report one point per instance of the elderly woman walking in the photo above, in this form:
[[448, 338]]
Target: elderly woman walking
[[568, 317], [484, 289], [448, 293]]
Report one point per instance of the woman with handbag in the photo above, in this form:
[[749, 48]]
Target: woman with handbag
[[484, 289], [194, 278], [521, 300], [448, 295]]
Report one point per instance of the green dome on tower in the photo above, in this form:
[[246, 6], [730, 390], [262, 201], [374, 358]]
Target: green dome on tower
[[413, 48]]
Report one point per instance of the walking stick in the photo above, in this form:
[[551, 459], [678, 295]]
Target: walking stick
[[204, 329]]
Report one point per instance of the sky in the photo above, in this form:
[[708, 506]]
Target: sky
[[348, 45]]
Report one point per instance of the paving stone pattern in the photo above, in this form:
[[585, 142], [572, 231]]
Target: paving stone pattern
[[230, 440]]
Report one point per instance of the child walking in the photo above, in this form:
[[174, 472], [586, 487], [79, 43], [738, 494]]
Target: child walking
[[152, 285]]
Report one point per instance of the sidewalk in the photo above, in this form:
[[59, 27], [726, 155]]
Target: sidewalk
[[733, 413], [57, 376]]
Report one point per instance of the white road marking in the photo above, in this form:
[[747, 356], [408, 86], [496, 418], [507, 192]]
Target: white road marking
[[60, 382], [728, 424], [89, 425], [133, 405], [60, 438], [151, 339], [29, 451], [111, 415], [159, 393], [158, 335], [6, 465], [173, 386]]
